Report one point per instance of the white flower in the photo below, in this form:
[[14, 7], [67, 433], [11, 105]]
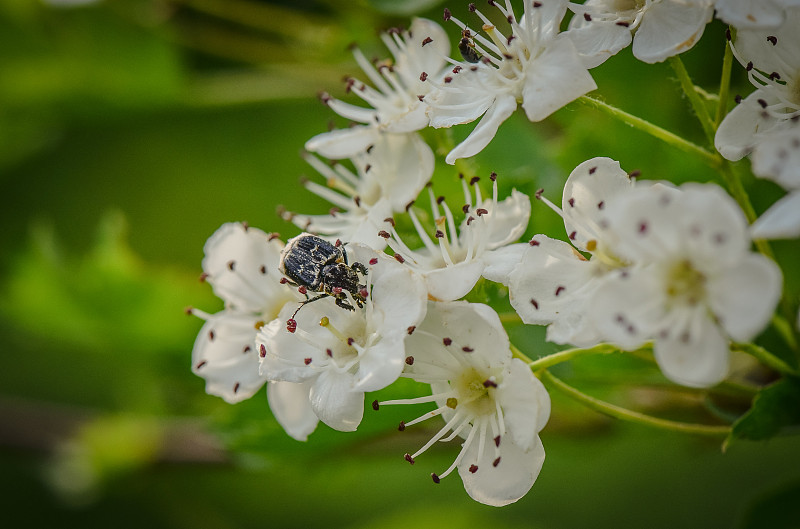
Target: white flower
[[772, 60], [387, 176], [658, 28], [532, 66], [753, 14], [481, 246], [396, 99], [241, 264], [553, 283], [695, 284], [489, 399], [341, 354]]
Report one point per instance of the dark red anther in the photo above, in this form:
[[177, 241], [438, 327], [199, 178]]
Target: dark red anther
[[434, 477], [283, 281], [534, 242], [423, 76], [291, 325], [439, 234], [357, 200], [537, 4], [573, 235], [440, 199], [390, 220], [302, 289], [306, 361], [571, 202], [447, 341], [560, 289], [375, 405], [401, 426], [474, 180], [411, 329], [470, 219], [473, 468], [467, 349], [427, 40], [410, 360], [273, 236], [538, 194], [399, 258], [493, 176], [384, 234], [263, 269], [364, 293], [211, 335], [643, 227], [448, 79], [465, 208], [329, 353], [408, 458], [458, 69], [373, 261], [350, 341], [497, 441], [203, 277], [246, 349], [236, 387], [772, 40], [481, 211], [636, 173], [201, 364], [601, 204], [587, 17], [488, 383], [535, 304], [262, 351], [471, 7], [496, 462], [447, 14], [188, 310], [408, 206]]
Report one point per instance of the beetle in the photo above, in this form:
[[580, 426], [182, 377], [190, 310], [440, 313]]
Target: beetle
[[313, 264]]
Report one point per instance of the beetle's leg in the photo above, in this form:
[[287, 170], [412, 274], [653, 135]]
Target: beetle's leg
[[342, 302], [358, 267], [303, 303]]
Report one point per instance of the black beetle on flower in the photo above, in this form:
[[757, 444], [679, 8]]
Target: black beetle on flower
[[313, 264]]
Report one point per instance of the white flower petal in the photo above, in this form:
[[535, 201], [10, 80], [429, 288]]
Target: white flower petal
[[745, 294], [777, 157], [781, 221], [697, 359], [552, 286], [587, 192], [628, 307], [749, 13], [504, 105], [736, 135], [453, 282], [525, 403], [464, 101], [285, 353], [598, 40], [670, 27], [343, 143], [507, 222], [400, 300], [292, 409], [381, 363], [501, 262], [335, 402], [553, 79], [401, 164], [505, 483], [241, 264], [224, 354]]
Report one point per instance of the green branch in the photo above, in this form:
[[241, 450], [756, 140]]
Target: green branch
[[699, 107], [766, 358], [724, 84], [632, 416], [654, 130]]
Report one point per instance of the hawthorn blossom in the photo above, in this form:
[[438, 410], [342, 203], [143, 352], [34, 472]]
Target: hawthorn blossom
[[341, 354], [480, 246], [387, 176], [772, 60], [241, 265], [485, 396], [695, 285], [553, 282], [658, 29], [532, 65], [396, 100], [750, 14]]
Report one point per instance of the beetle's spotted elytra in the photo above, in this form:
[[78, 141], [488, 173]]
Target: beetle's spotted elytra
[[315, 265]]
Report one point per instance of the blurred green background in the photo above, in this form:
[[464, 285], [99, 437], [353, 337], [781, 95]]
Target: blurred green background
[[131, 129]]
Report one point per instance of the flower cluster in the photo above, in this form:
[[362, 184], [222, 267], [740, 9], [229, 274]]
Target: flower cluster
[[356, 301]]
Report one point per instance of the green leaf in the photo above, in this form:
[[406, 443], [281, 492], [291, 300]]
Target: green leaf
[[775, 408]]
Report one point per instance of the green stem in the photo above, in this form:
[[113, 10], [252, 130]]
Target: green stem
[[509, 317], [766, 358], [698, 105], [724, 84], [632, 416], [657, 132]]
